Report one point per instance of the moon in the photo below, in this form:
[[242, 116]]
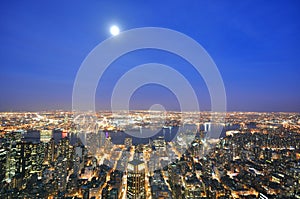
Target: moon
[[114, 30]]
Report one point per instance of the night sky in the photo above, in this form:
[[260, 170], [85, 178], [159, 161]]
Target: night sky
[[255, 45]]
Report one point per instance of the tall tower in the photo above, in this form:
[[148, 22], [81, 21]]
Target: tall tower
[[136, 180]]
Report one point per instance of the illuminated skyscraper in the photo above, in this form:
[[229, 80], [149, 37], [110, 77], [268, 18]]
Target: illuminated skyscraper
[[45, 135], [136, 180], [3, 153], [29, 159]]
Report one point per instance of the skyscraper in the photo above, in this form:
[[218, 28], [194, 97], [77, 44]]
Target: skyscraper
[[136, 180]]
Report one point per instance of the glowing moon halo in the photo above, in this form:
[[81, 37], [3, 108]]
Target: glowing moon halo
[[114, 30]]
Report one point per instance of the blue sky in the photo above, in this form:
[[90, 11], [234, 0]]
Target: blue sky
[[255, 45]]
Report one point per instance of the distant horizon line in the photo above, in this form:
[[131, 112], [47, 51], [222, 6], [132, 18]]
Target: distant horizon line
[[64, 110]]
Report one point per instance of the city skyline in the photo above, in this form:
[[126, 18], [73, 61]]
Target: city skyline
[[254, 45], [49, 155]]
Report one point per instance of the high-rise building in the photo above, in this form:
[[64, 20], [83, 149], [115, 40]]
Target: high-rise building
[[11, 159], [57, 135], [33, 136], [102, 138], [136, 180], [61, 173], [45, 135], [30, 157], [3, 153]]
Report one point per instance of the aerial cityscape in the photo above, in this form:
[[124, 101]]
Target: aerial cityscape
[[150, 99], [257, 155]]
